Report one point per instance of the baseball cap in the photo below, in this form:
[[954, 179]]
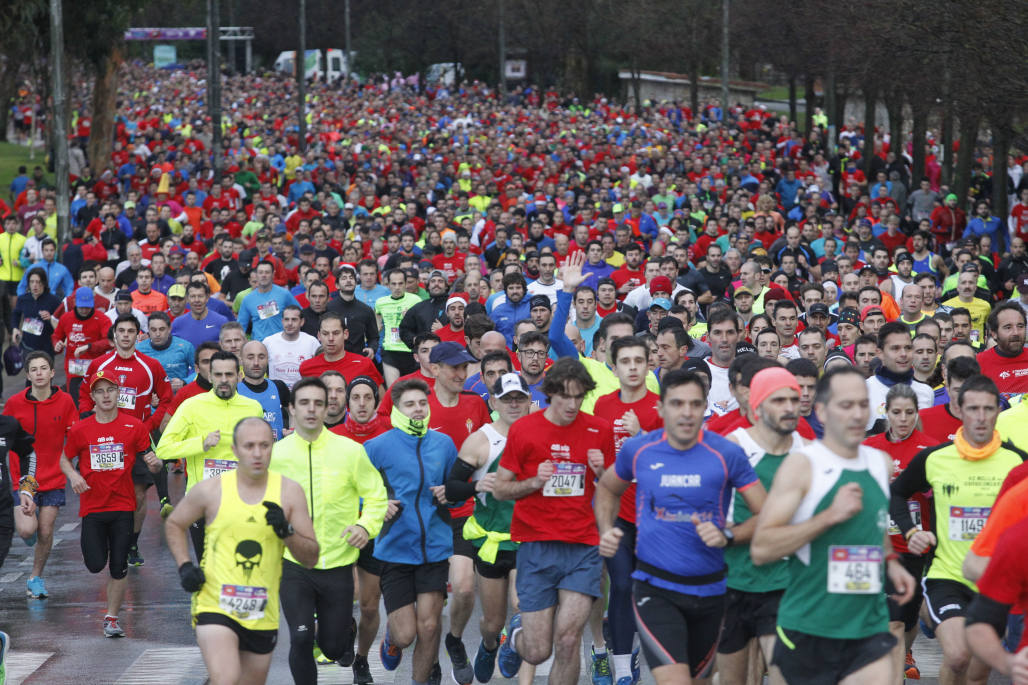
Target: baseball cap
[[865, 268], [307, 249], [121, 296], [451, 354], [849, 315], [870, 310], [970, 266], [539, 301], [904, 257], [742, 290], [829, 265], [177, 290], [818, 308], [101, 376], [661, 302], [742, 347], [508, 383], [84, 297], [660, 284], [437, 272]]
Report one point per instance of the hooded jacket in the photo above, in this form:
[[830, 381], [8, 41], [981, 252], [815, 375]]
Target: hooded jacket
[[47, 421]]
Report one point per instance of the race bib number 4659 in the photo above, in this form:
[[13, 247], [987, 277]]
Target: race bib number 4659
[[107, 457]]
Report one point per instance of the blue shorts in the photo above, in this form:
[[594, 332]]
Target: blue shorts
[[50, 498], [546, 567]]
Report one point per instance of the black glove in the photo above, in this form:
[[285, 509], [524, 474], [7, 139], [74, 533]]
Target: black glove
[[191, 576], [276, 518]]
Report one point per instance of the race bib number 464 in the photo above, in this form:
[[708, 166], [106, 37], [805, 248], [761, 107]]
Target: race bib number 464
[[568, 480], [855, 569], [966, 522]]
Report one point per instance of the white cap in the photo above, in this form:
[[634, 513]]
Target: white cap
[[510, 382]]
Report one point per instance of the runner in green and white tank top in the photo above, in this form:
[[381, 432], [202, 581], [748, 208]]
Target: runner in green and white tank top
[[390, 312], [828, 511], [488, 528]]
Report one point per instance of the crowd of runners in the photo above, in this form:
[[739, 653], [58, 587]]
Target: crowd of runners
[[682, 386]]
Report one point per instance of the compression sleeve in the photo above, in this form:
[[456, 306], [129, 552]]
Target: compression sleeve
[[911, 481], [459, 487], [559, 340]]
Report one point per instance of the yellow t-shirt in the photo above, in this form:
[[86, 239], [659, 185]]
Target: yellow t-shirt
[[979, 310]]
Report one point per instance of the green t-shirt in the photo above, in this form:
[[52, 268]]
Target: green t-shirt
[[392, 311]]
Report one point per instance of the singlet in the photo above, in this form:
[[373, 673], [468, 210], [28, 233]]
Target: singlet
[[242, 559], [837, 580], [924, 266], [742, 574], [392, 312], [491, 513], [270, 400]]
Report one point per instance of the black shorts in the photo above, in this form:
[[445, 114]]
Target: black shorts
[[461, 546], [402, 583], [506, 561], [748, 615], [907, 614], [141, 473], [105, 540], [945, 599], [367, 561], [6, 521], [256, 641], [401, 361], [675, 628], [810, 660]]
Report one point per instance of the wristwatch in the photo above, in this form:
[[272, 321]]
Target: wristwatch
[[729, 536]]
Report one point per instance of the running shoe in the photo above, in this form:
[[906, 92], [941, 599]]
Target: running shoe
[[485, 663], [349, 653], [435, 676], [30, 541], [361, 671], [912, 672], [601, 669], [509, 660], [166, 508], [5, 642], [176, 466], [389, 653], [111, 627], [926, 630], [636, 670], [36, 588], [133, 556], [625, 680], [462, 672], [319, 656]]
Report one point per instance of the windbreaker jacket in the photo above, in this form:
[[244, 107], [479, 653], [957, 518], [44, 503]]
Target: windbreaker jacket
[[48, 423]]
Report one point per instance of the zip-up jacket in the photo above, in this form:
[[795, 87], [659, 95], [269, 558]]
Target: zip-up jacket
[[76, 332], [48, 422], [420, 532], [335, 474]]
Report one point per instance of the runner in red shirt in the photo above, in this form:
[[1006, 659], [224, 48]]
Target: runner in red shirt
[[549, 467], [629, 410], [141, 378], [422, 354], [902, 441], [631, 274], [333, 334], [107, 446], [83, 330], [453, 331], [1007, 362]]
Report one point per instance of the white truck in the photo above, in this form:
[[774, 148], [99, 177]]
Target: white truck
[[321, 65], [446, 73]]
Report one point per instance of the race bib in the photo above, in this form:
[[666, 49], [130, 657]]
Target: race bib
[[394, 335], [216, 467], [966, 522], [78, 367], [107, 457], [914, 507], [32, 326], [568, 480], [244, 602], [855, 569], [267, 310], [127, 398]]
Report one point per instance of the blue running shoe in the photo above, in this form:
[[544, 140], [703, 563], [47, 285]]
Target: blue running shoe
[[926, 630], [636, 670], [507, 659], [625, 680], [485, 663], [30, 541], [601, 669], [36, 589], [389, 653]]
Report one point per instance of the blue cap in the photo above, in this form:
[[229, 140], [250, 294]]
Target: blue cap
[[84, 297], [451, 354], [661, 302]]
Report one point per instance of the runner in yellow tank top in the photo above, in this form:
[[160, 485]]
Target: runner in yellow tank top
[[251, 516]]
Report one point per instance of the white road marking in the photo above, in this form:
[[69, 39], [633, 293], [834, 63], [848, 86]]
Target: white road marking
[[10, 577], [68, 527], [166, 665], [20, 665]]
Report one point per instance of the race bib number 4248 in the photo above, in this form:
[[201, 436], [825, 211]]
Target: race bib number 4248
[[243, 601]]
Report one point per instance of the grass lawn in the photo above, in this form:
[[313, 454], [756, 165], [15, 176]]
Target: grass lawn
[[11, 157], [780, 93]]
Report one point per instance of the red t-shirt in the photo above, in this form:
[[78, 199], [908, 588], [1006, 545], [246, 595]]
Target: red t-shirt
[[939, 424], [447, 334], [458, 422], [351, 366], [1010, 373], [561, 511], [1004, 580], [140, 378], [385, 407], [901, 453], [106, 453], [611, 408], [726, 423], [626, 275], [449, 265]]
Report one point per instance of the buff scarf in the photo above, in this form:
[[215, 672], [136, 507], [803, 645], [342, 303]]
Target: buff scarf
[[966, 451], [408, 425]]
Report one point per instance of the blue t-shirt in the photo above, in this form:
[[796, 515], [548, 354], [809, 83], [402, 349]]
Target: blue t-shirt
[[370, 297], [177, 358], [195, 332], [475, 384], [671, 486], [263, 311]]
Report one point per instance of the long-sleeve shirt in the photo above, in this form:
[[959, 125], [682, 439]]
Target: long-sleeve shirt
[[58, 278]]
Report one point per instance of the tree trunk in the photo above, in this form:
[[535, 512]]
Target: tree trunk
[[808, 96], [792, 99], [7, 90], [105, 91], [1002, 134], [894, 106], [694, 87], [947, 144], [919, 110], [636, 86], [869, 131], [962, 172]]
